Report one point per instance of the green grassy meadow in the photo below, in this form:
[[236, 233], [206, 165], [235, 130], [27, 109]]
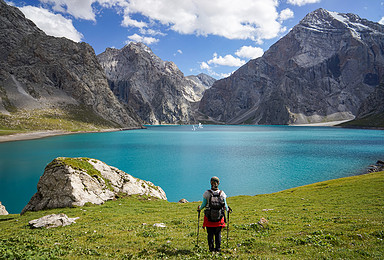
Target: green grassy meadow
[[337, 219], [71, 119]]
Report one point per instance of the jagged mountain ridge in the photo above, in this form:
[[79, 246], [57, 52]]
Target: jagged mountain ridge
[[322, 70], [156, 89], [44, 72]]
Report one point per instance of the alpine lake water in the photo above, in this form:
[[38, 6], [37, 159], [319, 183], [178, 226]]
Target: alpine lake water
[[249, 160]]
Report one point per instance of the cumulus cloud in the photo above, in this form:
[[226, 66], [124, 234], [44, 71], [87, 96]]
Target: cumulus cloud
[[250, 52], [286, 14], [382, 21], [227, 60], [138, 38], [302, 2], [78, 9], [204, 66], [151, 32], [128, 22], [241, 19], [52, 24]]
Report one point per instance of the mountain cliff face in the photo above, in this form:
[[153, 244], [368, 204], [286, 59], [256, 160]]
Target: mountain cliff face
[[40, 72], [371, 111], [156, 89], [322, 70]]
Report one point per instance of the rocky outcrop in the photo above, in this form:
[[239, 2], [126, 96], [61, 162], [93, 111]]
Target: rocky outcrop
[[202, 82], [69, 182], [52, 221], [378, 167], [374, 104], [3, 211], [42, 72], [371, 111], [156, 89], [322, 70]]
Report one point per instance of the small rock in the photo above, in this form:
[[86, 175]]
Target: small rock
[[267, 209], [160, 225], [263, 222], [183, 201], [53, 220]]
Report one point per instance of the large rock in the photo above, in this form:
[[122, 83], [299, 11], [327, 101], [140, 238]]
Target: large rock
[[69, 182], [322, 70], [3, 211], [156, 89], [40, 72], [52, 221]]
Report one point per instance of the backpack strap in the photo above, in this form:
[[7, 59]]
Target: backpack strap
[[211, 192]]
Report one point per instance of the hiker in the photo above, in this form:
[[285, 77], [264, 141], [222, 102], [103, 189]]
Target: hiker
[[214, 200]]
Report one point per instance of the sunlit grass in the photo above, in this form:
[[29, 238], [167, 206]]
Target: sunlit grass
[[71, 118], [338, 219]]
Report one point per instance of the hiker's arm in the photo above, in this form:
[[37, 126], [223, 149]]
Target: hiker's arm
[[226, 205], [203, 204]]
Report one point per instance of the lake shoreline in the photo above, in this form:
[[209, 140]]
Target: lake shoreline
[[49, 133]]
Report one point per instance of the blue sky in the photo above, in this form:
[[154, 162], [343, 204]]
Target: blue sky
[[215, 37]]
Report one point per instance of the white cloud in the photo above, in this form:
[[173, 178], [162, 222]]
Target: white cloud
[[286, 14], [250, 52], [227, 60], [302, 2], [127, 22], [78, 9], [52, 24], [382, 20], [138, 38], [178, 52], [204, 66], [241, 19], [151, 32]]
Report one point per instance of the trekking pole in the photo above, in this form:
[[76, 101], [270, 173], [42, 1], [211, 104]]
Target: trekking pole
[[198, 225], [229, 210]]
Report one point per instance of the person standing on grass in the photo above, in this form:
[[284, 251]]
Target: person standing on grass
[[214, 200]]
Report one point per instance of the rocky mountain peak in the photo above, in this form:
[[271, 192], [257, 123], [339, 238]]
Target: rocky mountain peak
[[322, 70], [322, 20], [157, 89], [138, 47], [203, 79]]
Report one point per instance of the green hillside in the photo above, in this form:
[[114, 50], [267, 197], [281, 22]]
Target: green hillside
[[71, 119], [371, 121], [337, 219]]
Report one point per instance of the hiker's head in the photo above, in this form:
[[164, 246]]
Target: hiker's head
[[215, 182]]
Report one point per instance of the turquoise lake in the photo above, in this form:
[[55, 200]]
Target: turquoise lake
[[249, 160]]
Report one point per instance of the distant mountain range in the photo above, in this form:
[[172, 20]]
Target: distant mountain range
[[327, 68], [156, 89], [324, 69]]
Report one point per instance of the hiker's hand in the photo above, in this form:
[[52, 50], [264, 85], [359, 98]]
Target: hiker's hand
[[198, 208], [229, 209]]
